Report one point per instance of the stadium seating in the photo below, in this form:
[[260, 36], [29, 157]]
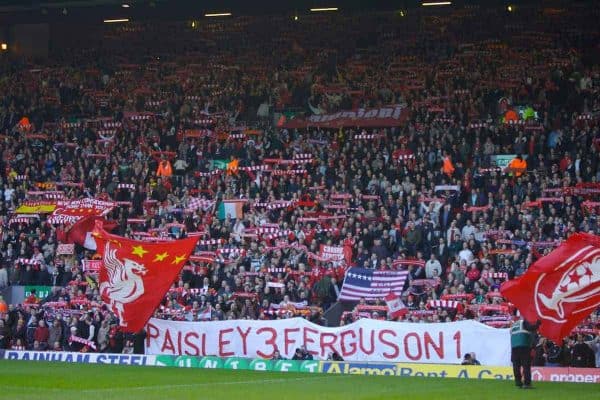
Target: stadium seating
[[475, 89]]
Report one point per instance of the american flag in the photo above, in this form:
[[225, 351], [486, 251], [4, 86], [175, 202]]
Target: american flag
[[371, 284]]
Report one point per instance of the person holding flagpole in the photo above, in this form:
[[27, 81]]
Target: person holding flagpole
[[522, 339]]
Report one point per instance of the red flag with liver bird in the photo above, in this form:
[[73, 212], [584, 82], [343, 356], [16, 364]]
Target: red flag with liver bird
[[135, 276], [560, 289]]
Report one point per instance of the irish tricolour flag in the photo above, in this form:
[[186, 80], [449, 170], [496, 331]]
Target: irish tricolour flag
[[233, 208]]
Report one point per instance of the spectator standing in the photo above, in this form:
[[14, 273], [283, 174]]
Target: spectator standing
[[582, 355], [139, 340], [433, 268], [74, 345], [103, 335], [595, 345], [3, 278], [4, 335], [3, 307], [42, 334], [55, 332]]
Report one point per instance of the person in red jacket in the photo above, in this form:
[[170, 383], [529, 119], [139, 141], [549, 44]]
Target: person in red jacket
[[41, 335], [565, 162], [473, 274]]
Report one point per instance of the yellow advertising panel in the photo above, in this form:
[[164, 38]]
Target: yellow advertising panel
[[455, 371], [36, 209], [420, 370]]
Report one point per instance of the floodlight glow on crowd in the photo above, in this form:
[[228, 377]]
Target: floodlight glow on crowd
[[114, 21], [324, 9], [225, 14], [437, 3]]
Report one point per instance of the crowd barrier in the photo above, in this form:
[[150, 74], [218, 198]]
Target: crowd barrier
[[579, 375]]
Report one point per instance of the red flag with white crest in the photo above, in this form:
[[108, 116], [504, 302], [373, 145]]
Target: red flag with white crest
[[560, 289], [135, 276], [396, 307]]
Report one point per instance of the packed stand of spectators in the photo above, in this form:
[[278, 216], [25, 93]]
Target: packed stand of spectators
[[171, 136]]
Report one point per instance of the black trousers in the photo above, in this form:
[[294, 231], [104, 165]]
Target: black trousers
[[521, 358]]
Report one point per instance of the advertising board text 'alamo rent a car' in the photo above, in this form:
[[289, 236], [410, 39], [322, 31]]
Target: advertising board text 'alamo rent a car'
[[418, 370]]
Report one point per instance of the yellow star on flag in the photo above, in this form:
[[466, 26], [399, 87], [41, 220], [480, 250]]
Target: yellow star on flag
[[161, 257], [138, 251], [177, 259]]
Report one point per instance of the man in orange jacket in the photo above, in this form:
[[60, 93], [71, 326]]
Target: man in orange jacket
[[3, 306], [448, 167], [517, 165], [164, 168]]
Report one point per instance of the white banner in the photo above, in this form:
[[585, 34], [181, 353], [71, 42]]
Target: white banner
[[364, 340]]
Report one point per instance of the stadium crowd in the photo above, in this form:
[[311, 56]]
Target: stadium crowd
[[169, 138]]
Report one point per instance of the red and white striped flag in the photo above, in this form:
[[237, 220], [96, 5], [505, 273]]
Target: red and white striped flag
[[196, 203], [443, 304], [396, 307]]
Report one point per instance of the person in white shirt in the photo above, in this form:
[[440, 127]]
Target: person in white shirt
[[238, 229], [465, 254], [452, 232], [431, 266], [3, 278], [8, 194], [467, 230], [91, 327]]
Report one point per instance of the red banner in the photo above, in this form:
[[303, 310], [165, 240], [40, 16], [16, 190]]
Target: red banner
[[73, 210], [91, 266], [393, 115]]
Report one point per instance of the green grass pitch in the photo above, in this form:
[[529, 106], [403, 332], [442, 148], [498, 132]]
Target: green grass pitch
[[46, 380]]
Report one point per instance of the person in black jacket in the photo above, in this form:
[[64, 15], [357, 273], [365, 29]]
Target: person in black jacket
[[44, 278], [298, 354], [539, 358], [582, 355], [4, 335], [138, 342]]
